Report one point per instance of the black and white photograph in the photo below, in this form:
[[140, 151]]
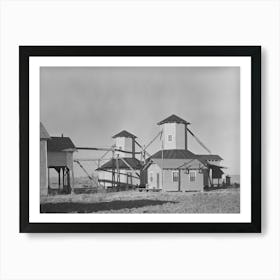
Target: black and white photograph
[[140, 140]]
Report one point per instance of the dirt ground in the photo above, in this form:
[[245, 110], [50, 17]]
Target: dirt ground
[[216, 201]]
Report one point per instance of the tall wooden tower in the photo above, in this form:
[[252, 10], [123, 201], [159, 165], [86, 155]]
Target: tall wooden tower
[[174, 133], [125, 141]]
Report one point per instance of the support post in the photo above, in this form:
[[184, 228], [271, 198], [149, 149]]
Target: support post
[[118, 170], [48, 179], [73, 180], [68, 177], [162, 137], [133, 148], [186, 136], [179, 179], [58, 178], [63, 177], [113, 169]]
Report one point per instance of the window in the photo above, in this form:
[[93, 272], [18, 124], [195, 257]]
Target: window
[[192, 176], [129, 178], [169, 137], [175, 176], [151, 177]]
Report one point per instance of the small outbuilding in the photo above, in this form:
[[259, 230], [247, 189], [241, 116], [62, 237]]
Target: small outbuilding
[[60, 158]]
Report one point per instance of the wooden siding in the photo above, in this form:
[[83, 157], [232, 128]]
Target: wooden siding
[[177, 131], [152, 172], [168, 184], [125, 144], [188, 185], [43, 168], [201, 179], [60, 159]]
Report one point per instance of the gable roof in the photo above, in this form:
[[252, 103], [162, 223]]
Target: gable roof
[[174, 154], [60, 144], [133, 162], [43, 132], [124, 133], [173, 119], [171, 158]]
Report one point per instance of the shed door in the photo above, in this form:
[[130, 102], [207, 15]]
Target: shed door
[[129, 178], [158, 180]]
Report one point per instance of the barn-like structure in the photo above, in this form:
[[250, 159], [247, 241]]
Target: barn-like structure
[[60, 158], [175, 167], [123, 168], [56, 153]]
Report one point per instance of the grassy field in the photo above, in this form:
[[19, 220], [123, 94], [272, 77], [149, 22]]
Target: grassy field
[[216, 201]]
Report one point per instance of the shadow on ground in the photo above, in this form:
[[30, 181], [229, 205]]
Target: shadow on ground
[[70, 207]]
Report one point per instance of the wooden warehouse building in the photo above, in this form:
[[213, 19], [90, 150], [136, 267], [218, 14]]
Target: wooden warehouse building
[[174, 167]]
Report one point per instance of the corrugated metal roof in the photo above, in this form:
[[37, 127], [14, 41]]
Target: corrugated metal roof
[[174, 154], [43, 132], [173, 119], [171, 158], [124, 133], [133, 162], [60, 144], [179, 163]]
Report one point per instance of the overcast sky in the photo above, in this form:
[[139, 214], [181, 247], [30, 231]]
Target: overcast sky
[[91, 104]]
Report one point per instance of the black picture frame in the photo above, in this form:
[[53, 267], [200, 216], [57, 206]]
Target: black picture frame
[[25, 52]]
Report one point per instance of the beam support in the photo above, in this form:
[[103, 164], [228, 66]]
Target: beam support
[[48, 179], [58, 178], [186, 136], [129, 166]]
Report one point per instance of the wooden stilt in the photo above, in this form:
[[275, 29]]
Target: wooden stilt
[[68, 176], [179, 180], [118, 170], [162, 139], [73, 180], [48, 180], [63, 174], [113, 169], [186, 136], [58, 178]]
